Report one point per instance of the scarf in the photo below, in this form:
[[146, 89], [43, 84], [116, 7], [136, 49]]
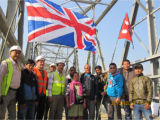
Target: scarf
[[72, 92]]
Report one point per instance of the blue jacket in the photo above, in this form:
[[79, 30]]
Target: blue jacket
[[115, 85], [28, 90]]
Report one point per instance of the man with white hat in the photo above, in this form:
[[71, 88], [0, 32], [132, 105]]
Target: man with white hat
[[10, 77], [56, 89], [42, 85], [52, 68]]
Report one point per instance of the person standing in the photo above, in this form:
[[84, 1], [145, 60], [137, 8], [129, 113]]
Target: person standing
[[52, 68], [115, 90], [128, 74], [101, 80], [140, 94], [42, 85], [56, 90], [75, 98], [69, 78], [28, 92], [10, 77], [89, 82]]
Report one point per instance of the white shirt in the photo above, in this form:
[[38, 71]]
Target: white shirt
[[16, 77]]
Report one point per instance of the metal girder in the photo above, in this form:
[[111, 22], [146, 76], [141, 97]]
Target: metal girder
[[152, 42], [142, 6], [132, 21], [141, 42], [11, 38], [155, 56], [87, 9], [21, 23], [105, 11], [145, 17], [90, 2]]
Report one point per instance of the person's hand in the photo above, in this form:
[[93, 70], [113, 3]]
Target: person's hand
[[159, 96], [50, 99], [36, 103], [1, 99], [103, 93], [131, 106], [147, 106], [118, 100], [105, 87], [84, 105], [67, 105], [22, 106], [95, 102]]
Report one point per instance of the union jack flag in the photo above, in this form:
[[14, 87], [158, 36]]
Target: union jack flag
[[49, 22]]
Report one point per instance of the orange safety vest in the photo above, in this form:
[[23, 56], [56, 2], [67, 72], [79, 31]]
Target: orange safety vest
[[42, 84]]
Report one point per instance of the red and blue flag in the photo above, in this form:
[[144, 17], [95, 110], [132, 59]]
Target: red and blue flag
[[52, 23]]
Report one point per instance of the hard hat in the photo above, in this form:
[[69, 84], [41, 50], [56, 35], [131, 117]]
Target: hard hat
[[60, 63], [52, 64], [39, 58], [15, 47]]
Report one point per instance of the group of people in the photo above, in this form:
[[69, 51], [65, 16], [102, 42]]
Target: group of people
[[40, 95]]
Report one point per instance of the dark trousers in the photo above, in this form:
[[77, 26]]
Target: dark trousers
[[116, 109], [27, 112], [41, 107], [56, 107], [89, 112], [127, 109], [9, 103], [107, 105], [46, 109]]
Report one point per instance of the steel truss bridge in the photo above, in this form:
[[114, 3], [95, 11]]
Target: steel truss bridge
[[12, 26]]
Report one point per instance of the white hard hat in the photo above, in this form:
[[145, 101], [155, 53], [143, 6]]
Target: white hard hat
[[60, 63], [39, 58], [15, 47], [52, 64]]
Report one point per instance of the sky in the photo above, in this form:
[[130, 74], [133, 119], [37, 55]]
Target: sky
[[108, 31]]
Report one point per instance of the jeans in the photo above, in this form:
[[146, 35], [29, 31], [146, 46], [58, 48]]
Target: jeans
[[28, 112], [138, 109], [91, 109], [127, 109]]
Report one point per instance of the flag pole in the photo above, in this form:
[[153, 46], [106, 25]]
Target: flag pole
[[114, 51]]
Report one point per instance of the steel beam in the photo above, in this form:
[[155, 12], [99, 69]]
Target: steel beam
[[152, 42], [150, 58], [105, 11], [11, 38], [21, 23]]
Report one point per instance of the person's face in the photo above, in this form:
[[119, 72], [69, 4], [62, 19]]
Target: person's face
[[126, 65], [87, 69], [98, 71], [72, 71], [30, 67], [40, 64], [76, 77], [15, 55], [138, 71], [52, 68], [112, 69], [60, 67]]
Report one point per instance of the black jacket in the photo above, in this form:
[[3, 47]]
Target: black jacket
[[101, 83], [90, 85], [28, 90]]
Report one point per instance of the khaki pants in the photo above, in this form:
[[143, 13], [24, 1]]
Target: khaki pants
[[9, 102], [56, 107]]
